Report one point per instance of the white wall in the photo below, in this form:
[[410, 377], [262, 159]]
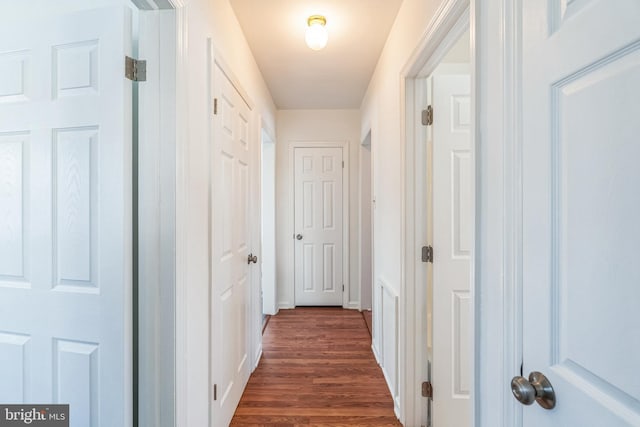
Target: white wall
[[202, 19], [314, 126], [381, 113]]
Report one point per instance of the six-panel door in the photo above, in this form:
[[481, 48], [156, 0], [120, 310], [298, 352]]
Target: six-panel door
[[318, 225], [65, 213], [581, 209]]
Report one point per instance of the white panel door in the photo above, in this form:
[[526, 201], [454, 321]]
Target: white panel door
[[65, 214], [581, 204], [318, 225], [231, 245], [452, 240]]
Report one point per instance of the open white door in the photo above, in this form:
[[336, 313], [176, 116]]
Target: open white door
[[231, 156], [581, 204], [65, 213], [318, 226], [452, 240]]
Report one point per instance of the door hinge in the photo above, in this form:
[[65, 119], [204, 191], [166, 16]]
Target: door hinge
[[342, 288], [135, 69], [343, 164], [427, 389], [215, 106], [215, 392], [427, 254], [427, 116]]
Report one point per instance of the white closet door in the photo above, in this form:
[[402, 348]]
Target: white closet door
[[65, 213], [318, 226], [232, 151]]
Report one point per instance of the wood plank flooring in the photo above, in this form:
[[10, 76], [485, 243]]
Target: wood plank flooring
[[317, 369], [368, 319]]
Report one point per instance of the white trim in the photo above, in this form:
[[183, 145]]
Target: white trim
[[361, 231], [434, 61], [268, 281], [475, 67], [210, 85], [388, 352], [255, 217], [449, 22], [156, 213], [513, 217], [178, 4], [446, 17], [498, 262], [344, 145], [182, 215], [269, 132]]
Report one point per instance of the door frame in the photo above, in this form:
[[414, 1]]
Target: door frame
[[366, 142], [498, 265], [156, 185], [344, 145], [268, 281], [175, 91], [450, 21]]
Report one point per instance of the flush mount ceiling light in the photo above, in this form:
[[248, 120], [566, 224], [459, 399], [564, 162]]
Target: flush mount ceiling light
[[316, 36]]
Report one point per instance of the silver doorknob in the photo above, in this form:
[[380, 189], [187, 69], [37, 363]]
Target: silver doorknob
[[299, 236], [252, 259], [536, 389]]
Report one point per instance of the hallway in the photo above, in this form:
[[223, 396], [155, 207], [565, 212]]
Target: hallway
[[317, 368]]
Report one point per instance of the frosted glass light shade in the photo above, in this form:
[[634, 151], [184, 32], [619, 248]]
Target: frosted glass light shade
[[316, 35]]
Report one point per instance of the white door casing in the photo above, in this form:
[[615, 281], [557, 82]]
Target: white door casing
[[452, 240], [254, 214], [581, 84], [268, 220], [230, 247], [366, 226], [318, 228], [65, 214]]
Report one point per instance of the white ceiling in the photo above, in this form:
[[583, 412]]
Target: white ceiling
[[300, 78]]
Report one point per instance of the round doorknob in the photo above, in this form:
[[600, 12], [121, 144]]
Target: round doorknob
[[536, 389], [299, 236], [523, 391]]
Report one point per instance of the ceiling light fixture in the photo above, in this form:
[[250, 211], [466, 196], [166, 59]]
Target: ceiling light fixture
[[316, 36]]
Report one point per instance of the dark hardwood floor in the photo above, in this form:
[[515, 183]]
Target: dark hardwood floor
[[317, 369]]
